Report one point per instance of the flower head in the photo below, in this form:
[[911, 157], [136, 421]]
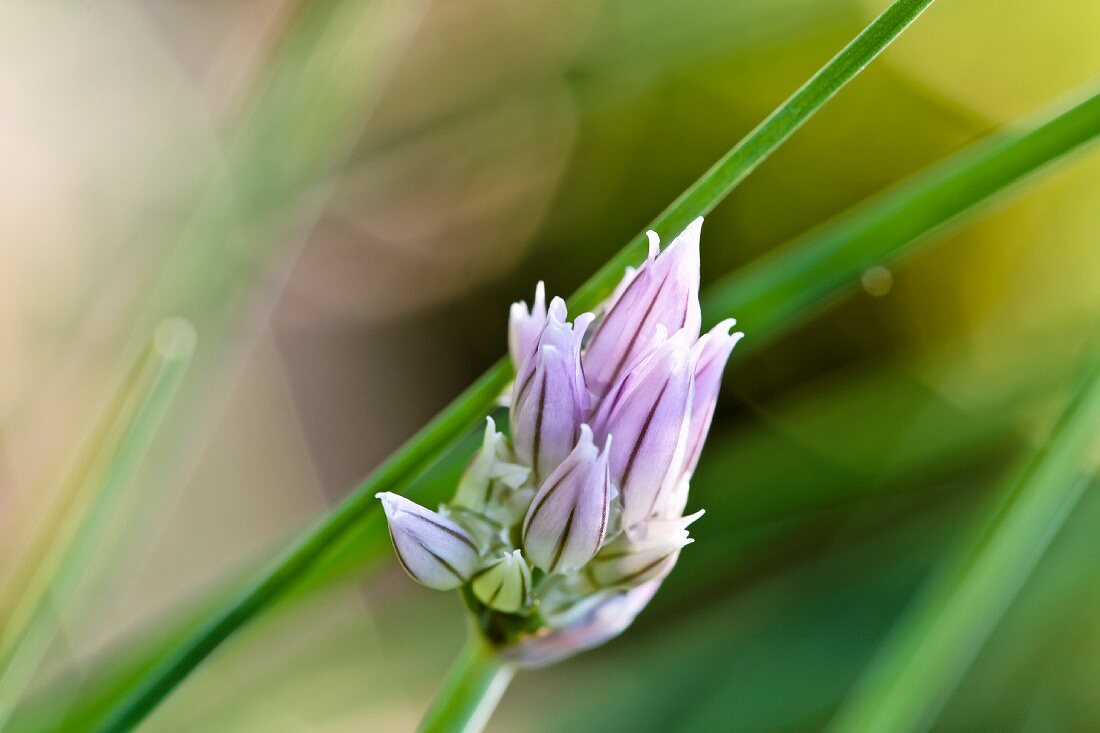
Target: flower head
[[562, 535]]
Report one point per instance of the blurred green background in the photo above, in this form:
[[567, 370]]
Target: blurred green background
[[344, 197]]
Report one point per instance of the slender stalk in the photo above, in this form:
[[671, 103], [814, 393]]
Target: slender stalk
[[934, 644], [424, 447], [474, 685], [86, 507]]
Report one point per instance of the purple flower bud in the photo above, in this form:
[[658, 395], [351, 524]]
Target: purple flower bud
[[663, 292], [635, 558], [433, 550], [525, 326], [647, 414], [505, 584], [604, 622], [551, 399], [567, 521], [712, 352]]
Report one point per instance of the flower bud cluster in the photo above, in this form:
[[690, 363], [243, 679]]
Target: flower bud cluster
[[563, 533]]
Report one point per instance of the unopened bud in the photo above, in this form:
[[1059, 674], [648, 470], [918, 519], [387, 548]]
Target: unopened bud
[[504, 585], [433, 550], [525, 326], [492, 470], [663, 292], [647, 414], [632, 559], [607, 619], [551, 399], [567, 521]]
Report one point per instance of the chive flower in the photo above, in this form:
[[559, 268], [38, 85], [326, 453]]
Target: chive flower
[[561, 534]]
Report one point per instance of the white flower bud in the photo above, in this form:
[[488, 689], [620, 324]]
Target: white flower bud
[[505, 584], [492, 471], [433, 550]]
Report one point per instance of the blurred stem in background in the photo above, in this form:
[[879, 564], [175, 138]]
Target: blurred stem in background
[[86, 508], [305, 116], [300, 124], [927, 654], [296, 129], [452, 423]]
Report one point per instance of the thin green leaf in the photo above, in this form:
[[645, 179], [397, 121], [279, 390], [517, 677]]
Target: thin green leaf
[[86, 506], [934, 644], [450, 425]]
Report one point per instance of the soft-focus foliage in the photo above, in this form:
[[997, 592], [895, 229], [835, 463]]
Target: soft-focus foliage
[[349, 267]]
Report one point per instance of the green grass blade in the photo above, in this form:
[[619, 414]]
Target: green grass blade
[[785, 285], [449, 426], [927, 654], [86, 506]]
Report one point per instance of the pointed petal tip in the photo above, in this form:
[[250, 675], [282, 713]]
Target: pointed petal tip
[[690, 519], [582, 322], [558, 310], [723, 327], [688, 240], [654, 243], [682, 341], [585, 449]]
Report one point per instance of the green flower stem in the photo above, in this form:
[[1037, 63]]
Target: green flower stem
[[423, 448], [931, 648], [474, 685]]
